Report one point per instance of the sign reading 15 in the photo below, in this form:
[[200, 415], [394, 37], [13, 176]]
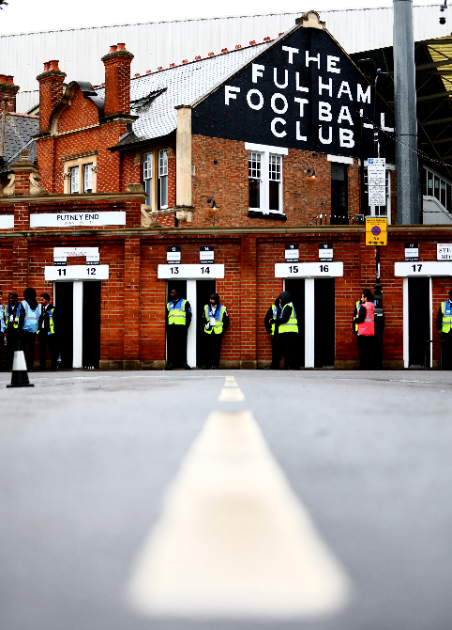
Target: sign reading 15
[[90, 271], [175, 270], [295, 268]]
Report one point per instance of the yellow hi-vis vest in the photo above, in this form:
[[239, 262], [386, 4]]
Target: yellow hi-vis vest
[[447, 316], [358, 304], [219, 314], [8, 315], [51, 323], [275, 316], [291, 325], [176, 313]]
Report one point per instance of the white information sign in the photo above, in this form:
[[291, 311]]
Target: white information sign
[[78, 219], [77, 272], [376, 180], [206, 255], [187, 272], [61, 254], [309, 270], [407, 269], [173, 255], [6, 221], [444, 251]]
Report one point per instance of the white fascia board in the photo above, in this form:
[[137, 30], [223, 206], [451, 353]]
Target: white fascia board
[[265, 148]]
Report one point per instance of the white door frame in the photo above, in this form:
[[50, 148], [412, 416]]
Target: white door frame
[[77, 321]]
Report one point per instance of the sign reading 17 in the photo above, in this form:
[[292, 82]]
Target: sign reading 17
[[416, 268]]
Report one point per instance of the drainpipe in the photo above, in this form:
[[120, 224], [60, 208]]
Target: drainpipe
[[408, 210]]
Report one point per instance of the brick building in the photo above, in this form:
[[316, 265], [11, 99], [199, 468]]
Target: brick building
[[250, 159]]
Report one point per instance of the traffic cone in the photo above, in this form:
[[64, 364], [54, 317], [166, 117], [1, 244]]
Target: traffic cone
[[19, 376]]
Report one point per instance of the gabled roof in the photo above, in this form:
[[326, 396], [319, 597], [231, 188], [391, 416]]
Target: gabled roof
[[154, 97], [19, 129]]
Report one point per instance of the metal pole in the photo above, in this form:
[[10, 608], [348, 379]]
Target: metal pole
[[363, 208], [378, 313], [408, 211]]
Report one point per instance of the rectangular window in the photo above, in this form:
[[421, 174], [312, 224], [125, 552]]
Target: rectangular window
[[274, 181], [339, 194], [147, 176], [163, 179], [88, 178], [443, 193], [430, 183], [75, 180], [254, 174], [436, 189]]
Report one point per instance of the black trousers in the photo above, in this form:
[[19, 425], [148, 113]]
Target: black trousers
[[176, 345], [288, 343], [446, 347], [28, 339], [12, 337], [44, 341], [1, 349], [212, 349], [276, 352], [367, 352]]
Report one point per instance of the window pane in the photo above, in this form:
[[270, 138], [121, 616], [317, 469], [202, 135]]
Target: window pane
[[430, 184], [163, 192], [147, 165], [88, 178], [148, 190], [163, 163], [436, 189], [273, 195], [254, 165], [254, 193], [443, 193], [274, 168], [74, 179]]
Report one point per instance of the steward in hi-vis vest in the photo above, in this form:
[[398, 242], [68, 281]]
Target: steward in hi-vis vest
[[12, 326], [284, 330], [366, 332], [355, 315], [2, 327], [215, 321], [178, 318], [444, 327], [29, 314], [46, 333]]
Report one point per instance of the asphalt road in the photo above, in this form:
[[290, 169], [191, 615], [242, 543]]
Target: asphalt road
[[86, 458]]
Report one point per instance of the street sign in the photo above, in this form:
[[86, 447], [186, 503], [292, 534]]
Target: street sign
[[376, 231], [444, 251], [376, 181]]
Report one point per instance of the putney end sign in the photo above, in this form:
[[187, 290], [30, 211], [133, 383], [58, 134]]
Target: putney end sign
[[302, 92]]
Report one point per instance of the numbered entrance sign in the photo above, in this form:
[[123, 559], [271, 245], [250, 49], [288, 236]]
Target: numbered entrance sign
[[77, 272], [425, 269], [376, 231], [309, 270], [190, 272]]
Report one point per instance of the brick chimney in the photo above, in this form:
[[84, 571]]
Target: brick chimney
[[50, 92], [8, 93], [117, 80]]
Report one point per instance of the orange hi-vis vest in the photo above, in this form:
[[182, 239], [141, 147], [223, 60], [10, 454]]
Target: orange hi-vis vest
[[367, 328]]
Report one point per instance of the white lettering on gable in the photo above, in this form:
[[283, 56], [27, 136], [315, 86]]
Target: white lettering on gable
[[346, 138], [260, 96], [345, 89], [291, 51], [329, 140], [326, 86], [299, 87], [344, 114], [363, 97], [230, 92], [278, 134], [256, 71], [275, 79], [325, 111], [309, 59], [302, 102], [298, 134], [285, 106], [331, 63]]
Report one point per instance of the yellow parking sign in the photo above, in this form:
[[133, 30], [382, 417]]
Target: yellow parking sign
[[376, 231]]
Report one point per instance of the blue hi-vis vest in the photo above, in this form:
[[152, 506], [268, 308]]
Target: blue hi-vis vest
[[31, 321], [2, 319], [208, 313]]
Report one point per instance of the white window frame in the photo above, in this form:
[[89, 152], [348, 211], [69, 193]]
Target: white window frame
[[163, 176], [88, 177], [75, 180], [148, 159], [79, 163], [265, 152]]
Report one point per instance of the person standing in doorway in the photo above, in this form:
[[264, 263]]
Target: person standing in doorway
[[366, 332], [274, 313], [12, 326], [355, 315], [216, 322], [46, 333], [29, 314], [178, 318], [444, 327], [286, 328], [2, 328]]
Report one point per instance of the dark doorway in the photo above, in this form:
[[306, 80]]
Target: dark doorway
[[204, 289], [64, 309], [91, 325], [418, 321], [339, 194], [296, 290], [324, 323]]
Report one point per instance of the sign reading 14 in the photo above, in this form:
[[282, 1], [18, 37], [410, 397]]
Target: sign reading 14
[[175, 270]]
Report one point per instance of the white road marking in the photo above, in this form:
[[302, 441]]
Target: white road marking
[[230, 379], [233, 540], [231, 395]]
